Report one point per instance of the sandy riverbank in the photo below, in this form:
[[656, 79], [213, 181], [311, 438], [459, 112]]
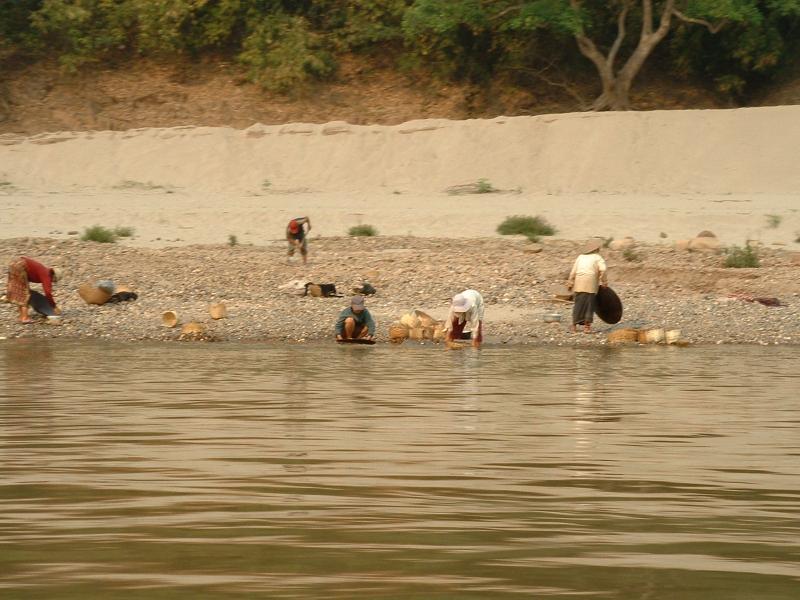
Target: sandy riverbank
[[657, 176], [664, 288]]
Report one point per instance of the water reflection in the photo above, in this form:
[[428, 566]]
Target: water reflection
[[164, 471]]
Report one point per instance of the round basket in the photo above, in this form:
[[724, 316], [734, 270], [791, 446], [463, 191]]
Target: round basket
[[92, 294], [622, 336], [218, 310], [169, 319], [193, 328], [425, 319]]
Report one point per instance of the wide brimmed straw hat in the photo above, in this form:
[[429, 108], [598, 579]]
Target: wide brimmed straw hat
[[461, 303], [593, 245]]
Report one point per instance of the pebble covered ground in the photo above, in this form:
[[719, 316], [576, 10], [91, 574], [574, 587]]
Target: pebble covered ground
[[660, 286]]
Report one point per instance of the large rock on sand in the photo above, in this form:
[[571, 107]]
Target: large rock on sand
[[705, 244], [623, 244]]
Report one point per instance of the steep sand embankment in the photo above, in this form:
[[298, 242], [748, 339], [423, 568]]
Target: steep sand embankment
[[610, 174]]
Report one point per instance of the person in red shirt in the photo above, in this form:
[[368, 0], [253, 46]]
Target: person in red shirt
[[296, 232], [23, 271]]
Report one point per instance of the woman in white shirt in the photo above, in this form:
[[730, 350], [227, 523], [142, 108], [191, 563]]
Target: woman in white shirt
[[465, 319], [587, 275]]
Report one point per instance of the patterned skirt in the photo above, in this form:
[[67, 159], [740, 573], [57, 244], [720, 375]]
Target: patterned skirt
[[18, 290]]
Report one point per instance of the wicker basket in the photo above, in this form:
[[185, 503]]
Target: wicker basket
[[623, 336], [92, 294], [218, 310], [169, 318], [193, 328], [398, 333]]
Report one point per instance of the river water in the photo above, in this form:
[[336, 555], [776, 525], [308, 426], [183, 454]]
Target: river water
[[239, 471]]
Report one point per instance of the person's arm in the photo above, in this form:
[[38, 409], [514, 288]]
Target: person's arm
[[370, 323], [478, 339], [602, 271], [340, 324], [47, 285], [572, 273]]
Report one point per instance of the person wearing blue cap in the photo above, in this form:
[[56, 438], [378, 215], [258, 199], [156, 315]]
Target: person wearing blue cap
[[355, 322]]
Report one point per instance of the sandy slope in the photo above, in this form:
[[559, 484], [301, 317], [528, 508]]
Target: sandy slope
[[610, 174]]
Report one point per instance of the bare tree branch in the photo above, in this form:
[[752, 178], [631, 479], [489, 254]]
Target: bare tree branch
[[612, 54], [712, 27], [647, 18], [540, 74]]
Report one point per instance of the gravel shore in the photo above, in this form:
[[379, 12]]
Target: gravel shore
[[660, 287]]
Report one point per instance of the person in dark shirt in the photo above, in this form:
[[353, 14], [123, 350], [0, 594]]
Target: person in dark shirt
[[21, 272], [355, 322], [296, 232]]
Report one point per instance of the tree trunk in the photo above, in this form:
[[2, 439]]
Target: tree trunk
[[617, 84]]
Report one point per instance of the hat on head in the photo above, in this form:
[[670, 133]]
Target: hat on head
[[461, 303], [357, 302], [58, 273], [293, 226], [593, 245]]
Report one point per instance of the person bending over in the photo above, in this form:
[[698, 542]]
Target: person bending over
[[21, 272], [296, 232], [465, 319]]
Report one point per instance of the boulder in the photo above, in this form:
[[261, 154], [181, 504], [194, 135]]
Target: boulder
[[682, 244], [706, 234], [705, 244], [622, 244]]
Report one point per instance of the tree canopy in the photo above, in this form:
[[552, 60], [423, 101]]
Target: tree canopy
[[285, 43]]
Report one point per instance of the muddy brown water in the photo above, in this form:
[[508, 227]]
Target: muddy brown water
[[240, 471]]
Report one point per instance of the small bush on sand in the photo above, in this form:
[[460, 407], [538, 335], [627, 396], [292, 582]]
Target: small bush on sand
[[232, 240], [98, 233], [630, 255], [482, 186], [774, 221], [124, 231], [362, 231], [607, 242], [742, 258], [530, 227]]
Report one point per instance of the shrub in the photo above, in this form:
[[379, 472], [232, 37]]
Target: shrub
[[232, 240], [742, 258], [484, 186], [774, 221], [630, 255], [124, 231], [607, 242], [530, 227], [98, 233], [282, 51], [362, 231]]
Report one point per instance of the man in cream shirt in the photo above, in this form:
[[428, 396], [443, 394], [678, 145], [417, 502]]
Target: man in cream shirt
[[587, 275]]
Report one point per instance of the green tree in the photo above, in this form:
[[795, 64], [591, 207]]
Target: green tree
[[617, 36]]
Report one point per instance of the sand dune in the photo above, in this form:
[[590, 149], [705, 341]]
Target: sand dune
[[636, 173]]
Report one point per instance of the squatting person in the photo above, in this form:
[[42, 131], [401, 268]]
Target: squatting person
[[355, 322]]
